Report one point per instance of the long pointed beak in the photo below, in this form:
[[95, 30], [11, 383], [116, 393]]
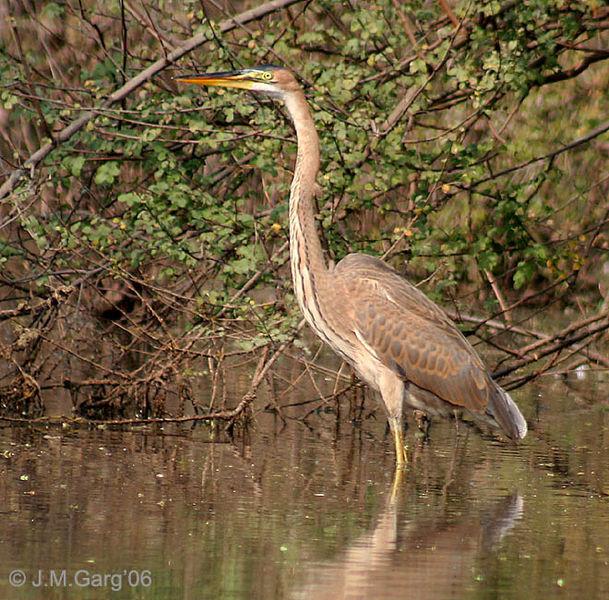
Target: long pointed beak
[[229, 79]]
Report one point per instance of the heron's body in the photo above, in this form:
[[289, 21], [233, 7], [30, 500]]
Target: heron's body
[[399, 342]]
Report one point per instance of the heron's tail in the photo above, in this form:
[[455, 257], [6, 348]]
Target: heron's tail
[[504, 411]]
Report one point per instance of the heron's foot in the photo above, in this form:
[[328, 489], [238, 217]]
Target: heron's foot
[[401, 456]]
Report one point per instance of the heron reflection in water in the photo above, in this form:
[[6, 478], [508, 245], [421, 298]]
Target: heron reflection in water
[[398, 341], [432, 558]]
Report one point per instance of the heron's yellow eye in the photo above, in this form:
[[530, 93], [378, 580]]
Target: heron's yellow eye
[[265, 76], [262, 75]]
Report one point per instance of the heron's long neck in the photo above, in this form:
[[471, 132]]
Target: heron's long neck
[[308, 264]]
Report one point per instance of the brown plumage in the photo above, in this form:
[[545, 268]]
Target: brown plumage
[[399, 341]]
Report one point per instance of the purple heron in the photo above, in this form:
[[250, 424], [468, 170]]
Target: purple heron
[[399, 342]]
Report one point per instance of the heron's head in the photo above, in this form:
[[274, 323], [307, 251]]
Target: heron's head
[[268, 79]]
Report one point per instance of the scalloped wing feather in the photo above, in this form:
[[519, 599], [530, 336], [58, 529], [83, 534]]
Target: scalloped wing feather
[[411, 335]]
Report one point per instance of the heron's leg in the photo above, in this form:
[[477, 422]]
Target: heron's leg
[[396, 486], [397, 429], [393, 390]]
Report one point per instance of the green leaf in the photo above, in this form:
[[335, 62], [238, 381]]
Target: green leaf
[[524, 273], [130, 199], [52, 10], [107, 173], [74, 164]]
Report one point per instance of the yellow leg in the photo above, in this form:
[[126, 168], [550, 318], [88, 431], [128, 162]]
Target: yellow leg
[[396, 486], [398, 438]]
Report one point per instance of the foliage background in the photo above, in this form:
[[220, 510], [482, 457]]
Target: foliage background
[[465, 142]]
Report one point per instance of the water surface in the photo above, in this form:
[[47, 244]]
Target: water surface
[[311, 510]]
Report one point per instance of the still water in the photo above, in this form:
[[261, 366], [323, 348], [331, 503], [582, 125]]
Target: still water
[[311, 511]]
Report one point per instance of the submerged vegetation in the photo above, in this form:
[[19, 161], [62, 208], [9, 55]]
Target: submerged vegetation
[[143, 225]]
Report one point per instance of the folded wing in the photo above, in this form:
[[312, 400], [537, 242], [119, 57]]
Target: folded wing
[[412, 336]]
